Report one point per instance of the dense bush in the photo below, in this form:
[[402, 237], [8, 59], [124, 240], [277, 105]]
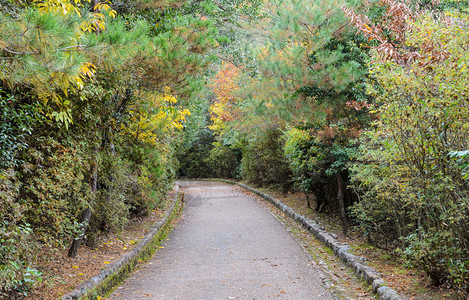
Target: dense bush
[[17, 120], [90, 114], [415, 196], [308, 161], [263, 162], [224, 161], [15, 245], [53, 188], [320, 168], [110, 208], [193, 159], [208, 158]]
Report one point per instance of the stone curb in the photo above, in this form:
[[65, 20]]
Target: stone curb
[[116, 272], [359, 267]]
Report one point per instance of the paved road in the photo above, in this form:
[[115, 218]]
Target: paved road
[[227, 246]]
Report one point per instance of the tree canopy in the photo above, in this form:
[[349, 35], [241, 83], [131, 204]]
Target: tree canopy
[[362, 106]]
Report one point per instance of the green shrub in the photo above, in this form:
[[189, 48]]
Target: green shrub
[[263, 162], [17, 120], [308, 162], [315, 164], [16, 243], [55, 188], [110, 211], [414, 195], [193, 161], [224, 161]]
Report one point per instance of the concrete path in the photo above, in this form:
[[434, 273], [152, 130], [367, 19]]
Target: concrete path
[[227, 246]]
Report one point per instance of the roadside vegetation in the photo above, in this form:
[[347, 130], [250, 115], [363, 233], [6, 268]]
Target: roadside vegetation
[[93, 101], [361, 106]]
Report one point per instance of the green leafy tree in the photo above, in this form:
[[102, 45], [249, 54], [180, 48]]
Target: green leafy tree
[[319, 72], [414, 194]]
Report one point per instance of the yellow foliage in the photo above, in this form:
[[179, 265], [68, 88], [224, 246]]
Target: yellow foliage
[[88, 70], [154, 117], [94, 22], [105, 6], [62, 7], [216, 110], [167, 96]]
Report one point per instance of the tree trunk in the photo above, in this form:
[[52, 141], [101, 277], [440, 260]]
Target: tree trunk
[[72, 252], [340, 199], [319, 200], [307, 200]]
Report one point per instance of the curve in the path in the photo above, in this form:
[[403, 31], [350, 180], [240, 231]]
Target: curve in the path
[[227, 246]]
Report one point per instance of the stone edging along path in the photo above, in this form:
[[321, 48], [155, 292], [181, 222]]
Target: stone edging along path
[[360, 268], [116, 272]]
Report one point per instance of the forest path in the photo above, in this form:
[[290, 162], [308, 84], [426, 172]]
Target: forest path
[[227, 246]]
